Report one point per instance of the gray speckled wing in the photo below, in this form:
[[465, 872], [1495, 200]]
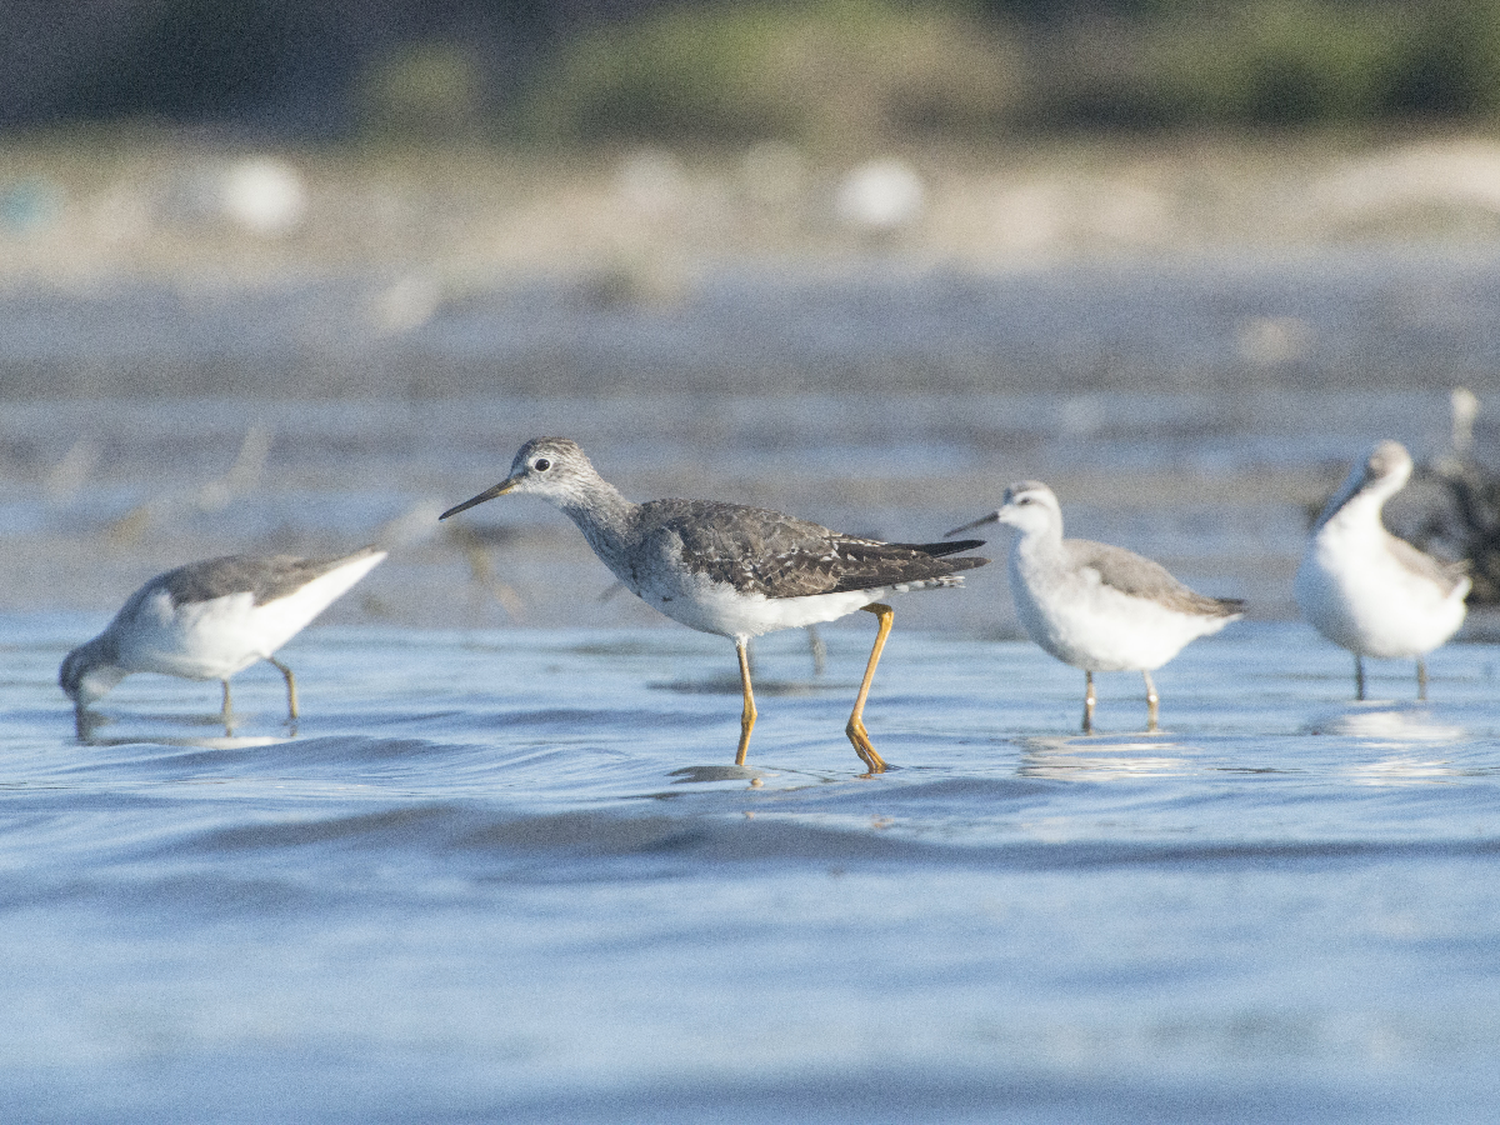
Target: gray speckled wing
[[267, 577], [757, 550], [1141, 578]]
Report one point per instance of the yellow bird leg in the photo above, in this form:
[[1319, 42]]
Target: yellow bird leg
[[856, 726], [747, 717]]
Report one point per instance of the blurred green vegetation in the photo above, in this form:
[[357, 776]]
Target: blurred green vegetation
[[427, 88], [818, 73], [846, 72], [1295, 62], [827, 73]]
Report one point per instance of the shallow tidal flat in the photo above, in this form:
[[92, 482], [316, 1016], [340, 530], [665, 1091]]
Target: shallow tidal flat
[[503, 867], [1188, 338]]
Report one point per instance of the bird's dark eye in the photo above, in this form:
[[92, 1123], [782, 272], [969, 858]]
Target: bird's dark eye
[[541, 464]]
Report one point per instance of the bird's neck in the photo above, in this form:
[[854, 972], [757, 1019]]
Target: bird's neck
[[1360, 513], [602, 514], [1035, 556], [1038, 544]]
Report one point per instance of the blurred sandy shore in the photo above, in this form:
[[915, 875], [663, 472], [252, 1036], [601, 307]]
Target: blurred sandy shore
[[86, 209]]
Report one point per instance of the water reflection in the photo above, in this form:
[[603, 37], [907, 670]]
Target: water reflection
[[91, 730], [206, 742], [1403, 769], [784, 780], [1390, 725], [1083, 758], [697, 775], [1410, 730]]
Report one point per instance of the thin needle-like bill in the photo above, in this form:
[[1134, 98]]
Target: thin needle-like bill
[[735, 571], [488, 494], [993, 517]]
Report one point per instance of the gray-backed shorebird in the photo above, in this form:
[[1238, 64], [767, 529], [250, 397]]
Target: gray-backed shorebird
[[731, 570], [208, 620], [1094, 606]]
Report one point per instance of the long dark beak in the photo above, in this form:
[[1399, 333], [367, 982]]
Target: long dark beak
[[993, 517], [488, 494]]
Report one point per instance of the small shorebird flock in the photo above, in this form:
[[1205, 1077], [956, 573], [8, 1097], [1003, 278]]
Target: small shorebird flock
[[740, 572]]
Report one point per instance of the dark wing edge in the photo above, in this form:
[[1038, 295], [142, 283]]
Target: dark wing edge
[[869, 564], [946, 547]]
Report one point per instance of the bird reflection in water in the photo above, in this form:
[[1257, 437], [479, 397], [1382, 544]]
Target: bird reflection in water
[[93, 729], [1410, 732], [1098, 759]]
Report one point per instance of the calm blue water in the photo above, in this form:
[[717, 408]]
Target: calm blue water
[[510, 875]]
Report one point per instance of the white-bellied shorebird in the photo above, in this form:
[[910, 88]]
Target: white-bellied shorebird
[[731, 570], [208, 620], [1368, 591], [1094, 606]]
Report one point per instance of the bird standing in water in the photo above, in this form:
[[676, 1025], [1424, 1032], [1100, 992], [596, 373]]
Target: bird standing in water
[[1368, 591], [1094, 606], [208, 620], [735, 571]]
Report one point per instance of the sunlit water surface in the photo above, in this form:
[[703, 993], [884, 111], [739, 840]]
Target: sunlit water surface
[[511, 875]]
